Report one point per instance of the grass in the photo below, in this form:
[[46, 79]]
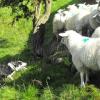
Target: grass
[[57, 80]]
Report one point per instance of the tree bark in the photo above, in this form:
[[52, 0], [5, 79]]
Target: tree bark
[[39, 23]]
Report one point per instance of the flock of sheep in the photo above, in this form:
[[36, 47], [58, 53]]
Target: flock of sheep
[[70, 24]]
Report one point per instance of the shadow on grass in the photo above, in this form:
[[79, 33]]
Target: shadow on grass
[[39, 72]]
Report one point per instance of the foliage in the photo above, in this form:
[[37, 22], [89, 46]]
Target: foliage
[[20, 8]]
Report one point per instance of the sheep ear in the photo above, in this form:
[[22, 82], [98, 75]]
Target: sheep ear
[[63, 35]]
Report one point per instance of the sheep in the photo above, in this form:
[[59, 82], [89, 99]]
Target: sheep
[[96, 33], [9, 69], [85, 52], [73, 8], [87, 7], [78, 21], [61, 16], [58, 22], [83, 17], [88, 17], [82, 6], [64, 19], [94, 18]]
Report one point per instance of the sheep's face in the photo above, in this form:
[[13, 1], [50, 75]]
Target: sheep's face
[[64, 39], [67, 35]]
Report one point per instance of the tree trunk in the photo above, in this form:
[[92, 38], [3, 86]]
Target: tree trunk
[[39, 22]]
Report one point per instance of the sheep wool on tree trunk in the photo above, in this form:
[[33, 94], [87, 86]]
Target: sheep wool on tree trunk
[[39, 22]]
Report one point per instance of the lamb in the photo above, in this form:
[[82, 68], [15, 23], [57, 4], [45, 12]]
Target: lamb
[[13, 66], [96, 33], [85, 52]]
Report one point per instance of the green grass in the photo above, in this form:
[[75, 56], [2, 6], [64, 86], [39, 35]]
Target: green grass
[[57, 80], [10, 93]]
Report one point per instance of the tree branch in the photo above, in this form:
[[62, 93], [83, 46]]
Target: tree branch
[[43, 19]]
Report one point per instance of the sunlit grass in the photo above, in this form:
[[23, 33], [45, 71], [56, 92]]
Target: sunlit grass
[[21, 93], [16, 37]]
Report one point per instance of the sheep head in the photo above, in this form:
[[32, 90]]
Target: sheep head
[[65, 36]]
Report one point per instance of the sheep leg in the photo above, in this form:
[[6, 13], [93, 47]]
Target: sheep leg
[[87, 78], [82, 79]]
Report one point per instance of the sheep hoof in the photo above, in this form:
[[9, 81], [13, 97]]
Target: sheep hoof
[[82, 85]]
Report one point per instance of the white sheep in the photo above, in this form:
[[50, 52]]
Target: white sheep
[[73, 8], [61, 16], [78, 21], [96, 33], [58, 22], [76, 18], [70, 18], [92, 7], [82, 6], [94, 18], [88, 16], [85, 52]]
